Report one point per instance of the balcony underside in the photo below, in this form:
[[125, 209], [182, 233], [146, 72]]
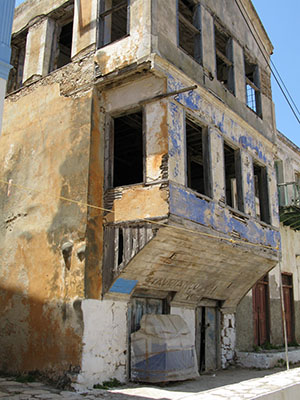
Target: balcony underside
[[196, 268], [290, 216]]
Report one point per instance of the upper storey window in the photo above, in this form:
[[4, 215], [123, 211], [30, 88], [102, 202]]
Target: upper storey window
[[62, 37], [224, 62], [198, 172], [253, 92], [233, 175], [261, 192], [125, 150], [189, 33], [63, 46], [114, 21], [15, 79]]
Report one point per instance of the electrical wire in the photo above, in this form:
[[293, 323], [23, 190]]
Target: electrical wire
[[268, 64], [233, 241]]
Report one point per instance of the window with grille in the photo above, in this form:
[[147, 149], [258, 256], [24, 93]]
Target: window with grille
[[253, 92]]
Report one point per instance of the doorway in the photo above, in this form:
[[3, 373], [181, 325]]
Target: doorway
[[208, 338], [288, 298], [260, 296]]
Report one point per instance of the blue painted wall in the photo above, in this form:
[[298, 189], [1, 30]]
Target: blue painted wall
[[6, 19], [186, 204]]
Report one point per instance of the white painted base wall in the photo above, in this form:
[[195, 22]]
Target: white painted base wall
[[2, 95], [104, 353], [266, 360]]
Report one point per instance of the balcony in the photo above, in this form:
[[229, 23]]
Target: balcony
[[289, 204]]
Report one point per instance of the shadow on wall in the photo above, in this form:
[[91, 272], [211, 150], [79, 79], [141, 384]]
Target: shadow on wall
[[35, 336]]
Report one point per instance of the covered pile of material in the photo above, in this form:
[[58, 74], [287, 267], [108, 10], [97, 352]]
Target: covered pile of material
[[163, 350]]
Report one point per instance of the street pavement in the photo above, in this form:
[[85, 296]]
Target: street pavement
[[233, 384]]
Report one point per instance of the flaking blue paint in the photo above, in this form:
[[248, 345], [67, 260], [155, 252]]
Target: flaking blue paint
[[186, 204], [247, 143], [175, 131], [190, 99]]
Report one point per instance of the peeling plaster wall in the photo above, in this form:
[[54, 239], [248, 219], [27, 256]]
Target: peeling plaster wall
[[133, 47], [104, 354], [228, 339], [45, 152]]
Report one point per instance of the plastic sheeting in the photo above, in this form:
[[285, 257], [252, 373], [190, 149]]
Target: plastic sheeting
[[163, 350]]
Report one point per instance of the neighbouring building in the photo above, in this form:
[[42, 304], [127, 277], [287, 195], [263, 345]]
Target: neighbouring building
[[138, 176], [6, 20]]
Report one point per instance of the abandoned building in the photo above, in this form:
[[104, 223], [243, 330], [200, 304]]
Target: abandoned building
[[139, 175]]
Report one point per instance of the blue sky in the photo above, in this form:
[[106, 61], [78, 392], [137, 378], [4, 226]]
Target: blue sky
[[281, 21]]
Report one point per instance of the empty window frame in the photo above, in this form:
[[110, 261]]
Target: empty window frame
[[127, 150], [233, 175], [15, 79], [261, 193], [253, 92], [113, 21], [189, 32], [224, 64], [197, 156], [62, 44]]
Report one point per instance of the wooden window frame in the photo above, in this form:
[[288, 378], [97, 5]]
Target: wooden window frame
[[263, 188], [206, 158], [102, 42], [195, 28], [109, 147], [238, 176], [225, 56]]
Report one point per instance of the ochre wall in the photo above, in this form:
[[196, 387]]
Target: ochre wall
[[44, 150]]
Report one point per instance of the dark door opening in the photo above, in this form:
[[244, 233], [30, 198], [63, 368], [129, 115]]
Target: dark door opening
[[207, 338]]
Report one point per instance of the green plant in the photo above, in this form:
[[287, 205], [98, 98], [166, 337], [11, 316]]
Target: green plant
[[25, 378], [106, 385]]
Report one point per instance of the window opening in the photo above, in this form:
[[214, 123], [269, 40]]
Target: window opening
[[233, 177], [15, 79], [65, 45], [120, 246], [253, 95], [114, 21], [189, 32], [261, 193], [197, 158], [224, 62], [128, 149]]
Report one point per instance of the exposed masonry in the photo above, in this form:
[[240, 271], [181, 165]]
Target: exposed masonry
[[228, 338]]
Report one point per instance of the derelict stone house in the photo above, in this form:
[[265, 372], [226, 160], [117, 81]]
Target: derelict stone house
[[138, 176]]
